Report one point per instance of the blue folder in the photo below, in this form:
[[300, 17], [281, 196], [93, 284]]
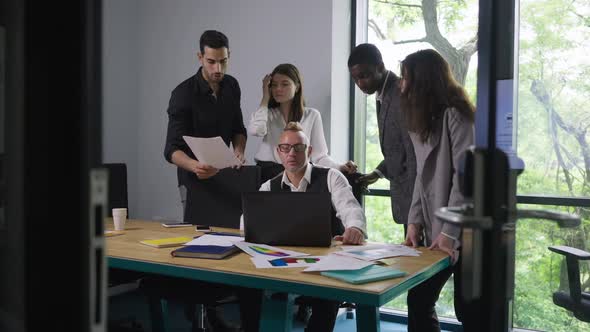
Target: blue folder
[[367, 274]]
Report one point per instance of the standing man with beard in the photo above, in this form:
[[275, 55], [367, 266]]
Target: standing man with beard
[[206, 104], [399, 165]]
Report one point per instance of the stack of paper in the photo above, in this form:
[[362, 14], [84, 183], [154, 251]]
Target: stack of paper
[[209, 246], [368, 274], [353, 258], [376, 252], [215, 240], [338, 263]]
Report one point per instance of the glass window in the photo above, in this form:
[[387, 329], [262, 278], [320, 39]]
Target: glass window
[[540, 272], [553, 119], [551, 135], [398, 29], [553, 89]]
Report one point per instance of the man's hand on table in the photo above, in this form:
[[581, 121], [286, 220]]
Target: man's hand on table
[[352, 235]]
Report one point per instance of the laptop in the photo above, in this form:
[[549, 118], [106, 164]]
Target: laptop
[[288, 218]]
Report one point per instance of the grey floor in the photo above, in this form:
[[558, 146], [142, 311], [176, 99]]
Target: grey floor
[[130, 309]]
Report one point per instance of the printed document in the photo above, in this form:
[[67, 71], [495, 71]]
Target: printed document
[[371, 253], [266, 252], [281, 263], [338, 263], [212, 151], [215, 240]]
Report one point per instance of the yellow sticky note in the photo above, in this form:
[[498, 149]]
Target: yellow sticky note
[[167, 242]]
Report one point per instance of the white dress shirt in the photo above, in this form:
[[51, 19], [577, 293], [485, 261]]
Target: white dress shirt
[[270, 123], [347, 208]]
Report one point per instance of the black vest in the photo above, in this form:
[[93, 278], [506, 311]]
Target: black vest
[[319, 183]]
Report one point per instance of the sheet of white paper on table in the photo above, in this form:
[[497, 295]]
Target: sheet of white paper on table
[[375, 245], [282, 263], [267, 252], [379, 253], [215, 240], [212, 151], [366, 246], [338, 263]]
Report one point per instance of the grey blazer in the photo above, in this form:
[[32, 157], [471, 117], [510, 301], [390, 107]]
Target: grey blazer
[[437, 182], [399, 163]]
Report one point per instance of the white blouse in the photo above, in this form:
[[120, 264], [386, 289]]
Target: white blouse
[[269, 124]]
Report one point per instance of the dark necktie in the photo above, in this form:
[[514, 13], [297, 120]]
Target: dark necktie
[[378, 106]]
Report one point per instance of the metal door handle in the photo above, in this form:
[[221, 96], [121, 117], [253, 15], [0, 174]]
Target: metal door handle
[[461, 217], [561, 218]]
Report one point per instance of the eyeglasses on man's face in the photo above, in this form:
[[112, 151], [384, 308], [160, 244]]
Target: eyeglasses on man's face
[[286, 148]]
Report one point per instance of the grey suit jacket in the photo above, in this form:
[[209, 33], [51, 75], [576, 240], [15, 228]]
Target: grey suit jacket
[[399, 164], [437, 182]]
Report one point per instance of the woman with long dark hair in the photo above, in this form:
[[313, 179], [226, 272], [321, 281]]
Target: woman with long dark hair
[[440, 120], [282, 102]]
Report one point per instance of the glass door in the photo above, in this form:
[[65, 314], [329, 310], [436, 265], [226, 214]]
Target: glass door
[[491, 172]]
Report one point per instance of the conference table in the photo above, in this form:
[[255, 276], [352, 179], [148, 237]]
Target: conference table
[[125, 252]]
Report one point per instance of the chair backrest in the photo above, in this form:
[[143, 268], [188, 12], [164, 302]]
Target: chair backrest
[[577, 301], [217, 201], [357, 190], [117, 187]]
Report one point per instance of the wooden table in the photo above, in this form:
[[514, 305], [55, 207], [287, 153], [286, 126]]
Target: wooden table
[[125, 252]]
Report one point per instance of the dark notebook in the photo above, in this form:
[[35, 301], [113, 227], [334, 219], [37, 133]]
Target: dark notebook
[[211, 252]]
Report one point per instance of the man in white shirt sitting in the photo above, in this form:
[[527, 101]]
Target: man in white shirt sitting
[[348, 221], [299, 175]]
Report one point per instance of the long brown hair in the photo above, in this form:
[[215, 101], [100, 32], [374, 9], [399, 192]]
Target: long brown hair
[[430, 89], [297, 104]]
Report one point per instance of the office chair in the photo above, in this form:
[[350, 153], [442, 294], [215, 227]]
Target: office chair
[[117, 198], [120, 281], [303, 309], [215, 202], [117, 187], [577, 301]]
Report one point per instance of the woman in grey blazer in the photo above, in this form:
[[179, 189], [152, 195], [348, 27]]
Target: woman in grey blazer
[[440, 119]]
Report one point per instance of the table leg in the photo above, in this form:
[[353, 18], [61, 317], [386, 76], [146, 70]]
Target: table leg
[[277, 312], [159, 314], [367, 318]]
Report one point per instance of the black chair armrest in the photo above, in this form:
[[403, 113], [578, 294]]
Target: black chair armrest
[[576, 301], [571, 252]]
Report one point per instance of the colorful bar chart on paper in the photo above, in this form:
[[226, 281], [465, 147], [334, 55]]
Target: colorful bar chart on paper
[[269, 252], [293, 260], [286, 262]]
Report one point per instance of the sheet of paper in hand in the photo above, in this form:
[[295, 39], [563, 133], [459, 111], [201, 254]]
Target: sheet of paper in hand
[[212, 151]]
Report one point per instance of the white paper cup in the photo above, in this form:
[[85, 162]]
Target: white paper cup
[[119, 218]]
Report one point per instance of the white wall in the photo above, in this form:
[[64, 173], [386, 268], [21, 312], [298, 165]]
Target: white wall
[[150, 46], [120, 90]]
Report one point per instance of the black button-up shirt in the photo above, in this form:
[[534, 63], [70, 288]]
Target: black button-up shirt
[[194, 111]]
